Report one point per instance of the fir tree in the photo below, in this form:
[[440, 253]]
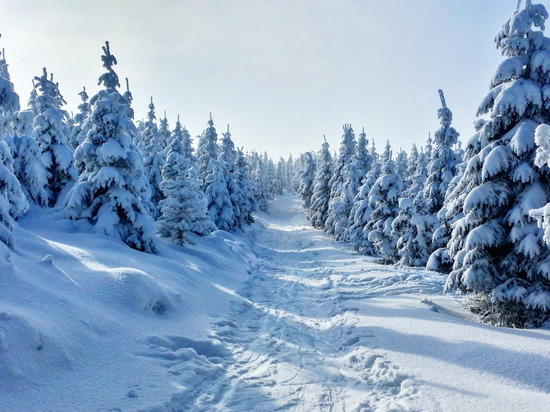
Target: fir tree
[[128, 96], [78, 135], [183, 209], [12, 202], [52, 135], [341, 199], [498, 250], [243, 201], [110, 190], [321, 188], [358, 232], [237, 192], [207, 151], [153, 159], [442, 167], [361, 163], [384, 201], [164, 135], [259, 178], [307, 175], [219, 204], [27, 166]]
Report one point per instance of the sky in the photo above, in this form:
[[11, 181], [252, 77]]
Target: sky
[[281, 73]]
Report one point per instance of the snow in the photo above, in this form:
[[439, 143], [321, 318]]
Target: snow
[[279, 317]]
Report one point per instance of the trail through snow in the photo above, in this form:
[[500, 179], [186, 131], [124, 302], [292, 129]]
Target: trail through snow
[[319, 327], [280, 318], [293, 334]]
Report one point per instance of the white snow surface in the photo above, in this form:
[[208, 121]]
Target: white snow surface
[[278, 318]]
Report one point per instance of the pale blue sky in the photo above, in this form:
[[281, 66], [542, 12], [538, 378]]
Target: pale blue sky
[[283, 73]]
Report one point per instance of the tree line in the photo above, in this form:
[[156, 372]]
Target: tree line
[[479, 214], [132, 180]]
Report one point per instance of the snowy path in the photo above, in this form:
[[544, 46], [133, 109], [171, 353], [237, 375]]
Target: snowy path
[[293, 346], [321, 328], [279, 318], [293, 334]]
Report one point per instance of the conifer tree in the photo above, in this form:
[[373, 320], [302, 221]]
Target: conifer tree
[[243, 201], [220, 209], [207, 151], [183, 209], [497, 247], [443, 162], [260, 188], [13, 203], [340, 202], [307, 175], [153, 159], [31, 104], [361, 163], [237, 180], [52, 136], [110, 190], [289, 174], [384, 201], [128, 96], [402, 167], [321, 187], [78, 135], [27, 166], [164, 134], [358, 232]]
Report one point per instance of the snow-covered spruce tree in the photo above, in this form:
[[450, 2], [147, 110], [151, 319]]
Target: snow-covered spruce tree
[[358, 233], [412, 167], [340, 203], [413, 228], [498, 250], [78, 135], [307, 175], [153, 159], [244, 201], [52, 135], [542, 160], [290, 170], [128, 96], [227, 158], [414, 225], [13, 203], [27, 166], [164, 134], [109, 192], [443, 162], [220, 209], [361, 163], [281, 175], [442, 169], [321, 188], [183, 209], [384, 201], [207, 151], [271, 176], [402, 167], [259, 178], [16, 205]]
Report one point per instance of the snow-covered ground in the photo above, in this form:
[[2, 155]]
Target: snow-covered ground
[[279, 318]]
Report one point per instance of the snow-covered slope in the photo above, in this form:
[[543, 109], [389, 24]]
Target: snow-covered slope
[[279, 318]]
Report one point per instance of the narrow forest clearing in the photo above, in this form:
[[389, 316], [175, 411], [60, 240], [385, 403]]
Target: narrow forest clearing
[[278, 318], [319, 327]]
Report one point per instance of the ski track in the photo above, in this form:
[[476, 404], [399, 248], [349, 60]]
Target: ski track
[[290, 342]]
